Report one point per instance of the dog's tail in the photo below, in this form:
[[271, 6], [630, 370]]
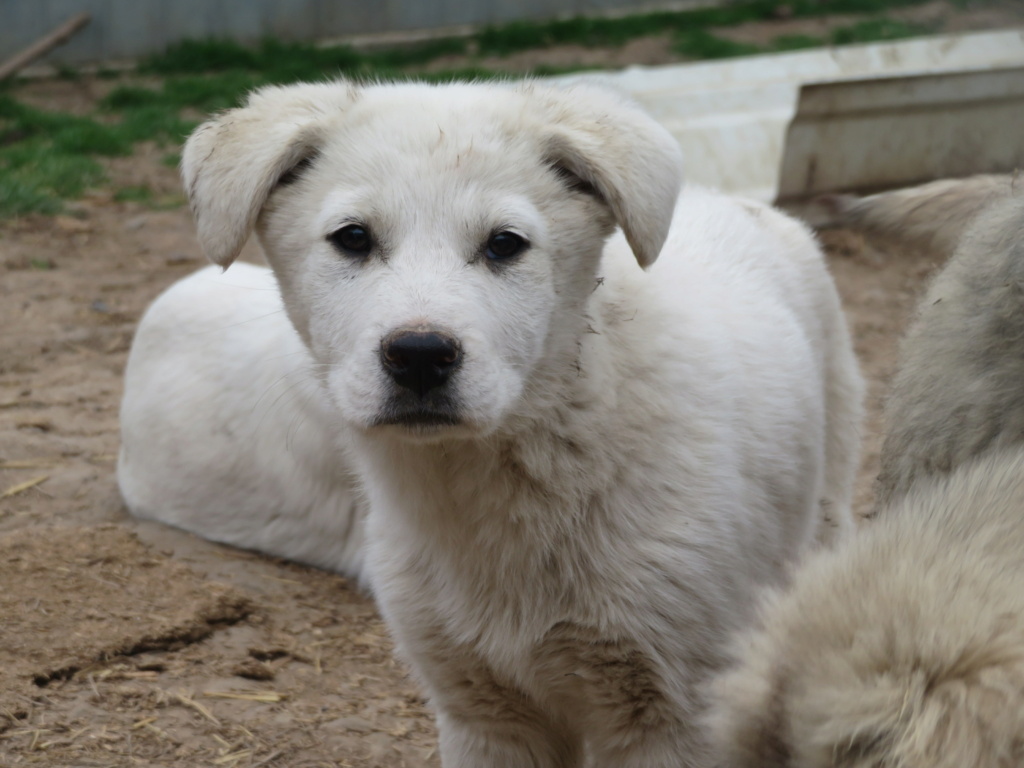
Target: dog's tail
[[931, 216]]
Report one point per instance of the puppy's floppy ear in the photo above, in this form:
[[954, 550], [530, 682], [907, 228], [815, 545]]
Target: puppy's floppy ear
[[629, 159], [231, 164]]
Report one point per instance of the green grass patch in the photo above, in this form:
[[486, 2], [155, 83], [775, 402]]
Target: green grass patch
[[277, 61], [155, 123], [46, 157], [18, 198], [417, 55], [138, 194], [701, 44], [35, 179], [796, 42], [877, 29], [281, 62], [690, 27], [20, 123], [67, 72]]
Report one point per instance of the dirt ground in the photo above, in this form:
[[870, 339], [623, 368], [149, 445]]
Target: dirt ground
[[130, 644]]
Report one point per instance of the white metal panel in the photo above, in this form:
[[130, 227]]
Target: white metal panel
[[731, 117], [866, 135]]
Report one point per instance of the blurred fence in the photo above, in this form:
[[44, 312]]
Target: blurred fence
[[123, 29]]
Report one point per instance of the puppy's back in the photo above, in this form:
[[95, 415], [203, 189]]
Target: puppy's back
[[904, 649]]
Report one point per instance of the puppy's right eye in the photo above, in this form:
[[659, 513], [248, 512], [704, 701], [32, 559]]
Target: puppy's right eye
[[505, 245], [352, 240]]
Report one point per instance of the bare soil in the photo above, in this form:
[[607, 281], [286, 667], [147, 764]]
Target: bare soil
[[130, 644]]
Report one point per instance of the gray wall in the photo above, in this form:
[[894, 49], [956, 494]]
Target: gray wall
[[129, 28]]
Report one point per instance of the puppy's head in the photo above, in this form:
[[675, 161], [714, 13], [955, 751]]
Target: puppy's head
[[435, 245]]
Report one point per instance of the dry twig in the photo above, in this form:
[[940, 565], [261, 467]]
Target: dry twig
[[14, 490], [45, 44]]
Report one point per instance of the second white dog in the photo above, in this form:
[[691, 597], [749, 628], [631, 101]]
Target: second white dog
[[904, 647], [577, 473]]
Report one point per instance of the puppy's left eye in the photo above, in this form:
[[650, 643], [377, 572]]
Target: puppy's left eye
[[505, 245], [353, 240]]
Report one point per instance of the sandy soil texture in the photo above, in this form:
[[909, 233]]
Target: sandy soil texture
[[129, 644]]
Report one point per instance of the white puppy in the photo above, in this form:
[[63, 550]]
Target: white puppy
[[225, 429], [577, 473]]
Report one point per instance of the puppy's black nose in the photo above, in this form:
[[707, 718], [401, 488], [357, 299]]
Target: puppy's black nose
[[420, 360]]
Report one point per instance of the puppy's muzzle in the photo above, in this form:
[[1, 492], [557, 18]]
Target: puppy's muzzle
[[420, 360]]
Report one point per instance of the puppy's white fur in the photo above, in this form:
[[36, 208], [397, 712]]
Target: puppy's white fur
[[225, 430], [960, 390], [632, 454], [904, 648]]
